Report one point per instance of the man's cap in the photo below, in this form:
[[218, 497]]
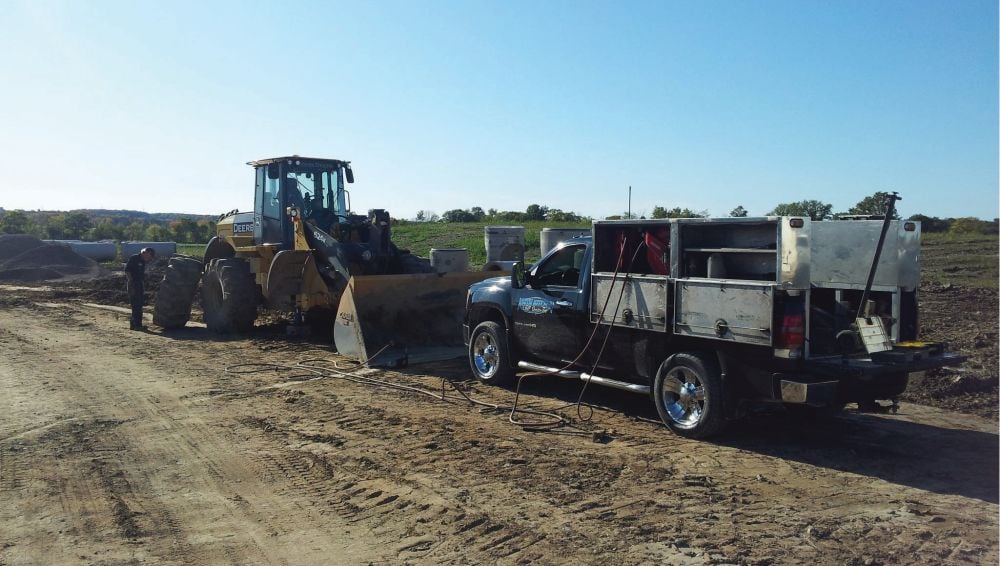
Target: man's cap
[[151, 251]]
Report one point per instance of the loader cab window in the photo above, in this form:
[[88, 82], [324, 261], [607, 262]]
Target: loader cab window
[[561, 268], [314, 192], [271, 206]]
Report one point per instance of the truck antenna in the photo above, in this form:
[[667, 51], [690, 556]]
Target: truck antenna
[[630, 202]]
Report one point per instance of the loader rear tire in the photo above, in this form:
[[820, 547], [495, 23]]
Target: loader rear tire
[[172, 307], [229, 296], [489, 354]]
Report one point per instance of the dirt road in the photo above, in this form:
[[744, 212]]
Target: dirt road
[[119, 447]]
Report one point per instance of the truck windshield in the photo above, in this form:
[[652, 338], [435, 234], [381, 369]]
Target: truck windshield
[[314, 192]]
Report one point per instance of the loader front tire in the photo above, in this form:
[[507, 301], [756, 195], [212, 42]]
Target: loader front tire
[[229, 296], [489, 354], [172, 307]]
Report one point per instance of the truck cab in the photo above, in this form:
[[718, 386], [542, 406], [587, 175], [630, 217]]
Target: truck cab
[[550, 307]]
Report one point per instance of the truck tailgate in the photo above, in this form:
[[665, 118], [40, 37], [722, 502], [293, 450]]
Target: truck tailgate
[[897, 360]]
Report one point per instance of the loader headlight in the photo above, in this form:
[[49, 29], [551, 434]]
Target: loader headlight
[[366, 255]]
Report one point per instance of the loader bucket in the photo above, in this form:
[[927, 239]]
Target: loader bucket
[[393, 320]]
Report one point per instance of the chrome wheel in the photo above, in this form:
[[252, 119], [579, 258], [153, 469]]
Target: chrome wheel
[[683, 396], [485, 356], [488, 353], [688, 394]]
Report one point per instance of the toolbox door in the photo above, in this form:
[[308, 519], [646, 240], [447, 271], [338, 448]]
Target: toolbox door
[[734, 311]]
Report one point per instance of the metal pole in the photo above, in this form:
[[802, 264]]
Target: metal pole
[[630, 202], [890, 209]]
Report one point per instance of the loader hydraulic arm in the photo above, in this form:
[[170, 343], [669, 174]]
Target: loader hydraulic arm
[[298, 231]]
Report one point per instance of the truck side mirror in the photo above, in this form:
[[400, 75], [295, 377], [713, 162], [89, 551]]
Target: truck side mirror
[[349, 174], [518, 278], [272, 171]]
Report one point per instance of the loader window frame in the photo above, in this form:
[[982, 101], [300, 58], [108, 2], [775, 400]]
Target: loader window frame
[[271, 197], [317, 190]]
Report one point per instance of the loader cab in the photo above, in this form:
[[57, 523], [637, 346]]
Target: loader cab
[[314, 186]]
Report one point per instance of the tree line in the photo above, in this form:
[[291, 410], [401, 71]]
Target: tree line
[[477, 214], [82, 226], [874, 205], [877, 205]]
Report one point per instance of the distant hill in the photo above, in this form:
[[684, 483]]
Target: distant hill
[[131, 215], [121, 216]]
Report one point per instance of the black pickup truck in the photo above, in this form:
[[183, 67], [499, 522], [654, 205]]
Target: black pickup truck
[[706, 316]]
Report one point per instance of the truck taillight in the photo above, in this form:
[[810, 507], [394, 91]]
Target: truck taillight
[[793, 332], [791, 336]]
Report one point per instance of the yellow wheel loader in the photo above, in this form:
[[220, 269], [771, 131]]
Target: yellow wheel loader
[[302, 251]]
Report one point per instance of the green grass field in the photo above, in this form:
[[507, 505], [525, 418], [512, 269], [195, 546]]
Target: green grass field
[[420, 237], [969, 260], [195, 250]]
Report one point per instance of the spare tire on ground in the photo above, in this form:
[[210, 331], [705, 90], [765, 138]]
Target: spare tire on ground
[[172, 307]]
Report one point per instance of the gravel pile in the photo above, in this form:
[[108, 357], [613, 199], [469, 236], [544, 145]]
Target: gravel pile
[[25, 258]]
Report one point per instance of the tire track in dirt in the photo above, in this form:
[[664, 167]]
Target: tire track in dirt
[[358, 489], [441, 528], [424, 481], [600, 501], [168, 472]]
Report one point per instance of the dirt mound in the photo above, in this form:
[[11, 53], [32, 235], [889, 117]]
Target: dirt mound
[[24, 274], [26, 258], [110, 289], [966, 319], [12, 245]]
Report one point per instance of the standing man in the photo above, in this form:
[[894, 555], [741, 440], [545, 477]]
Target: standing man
[[136, 271]]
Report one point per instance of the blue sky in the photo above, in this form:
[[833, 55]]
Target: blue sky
[[442, 105]]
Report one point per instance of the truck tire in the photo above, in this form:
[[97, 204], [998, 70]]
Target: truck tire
[[687, 393], [172, 307], [489, 354], [229, 296]]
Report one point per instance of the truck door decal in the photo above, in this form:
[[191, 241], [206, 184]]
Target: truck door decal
[[535, 305]]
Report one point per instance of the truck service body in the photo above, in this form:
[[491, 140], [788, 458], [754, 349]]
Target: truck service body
[[705, 315]]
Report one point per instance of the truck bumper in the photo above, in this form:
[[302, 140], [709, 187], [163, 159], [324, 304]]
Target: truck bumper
[[821, 393], [847, 379]]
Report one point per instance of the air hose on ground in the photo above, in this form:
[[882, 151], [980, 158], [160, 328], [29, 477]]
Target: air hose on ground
[[318, 368]]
